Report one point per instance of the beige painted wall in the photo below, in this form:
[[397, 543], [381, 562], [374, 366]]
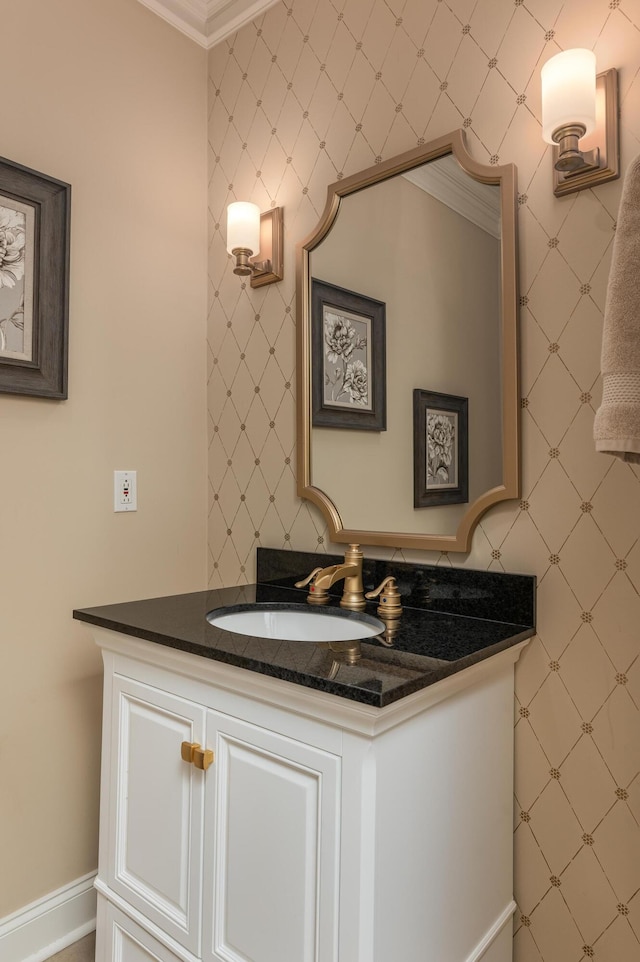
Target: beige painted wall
[[108, 97], [396, 243], [313, 91]]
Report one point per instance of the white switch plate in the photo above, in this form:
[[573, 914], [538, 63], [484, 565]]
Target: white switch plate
[[125, 491]]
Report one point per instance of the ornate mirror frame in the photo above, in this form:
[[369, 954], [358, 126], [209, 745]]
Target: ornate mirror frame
[[504, 177]]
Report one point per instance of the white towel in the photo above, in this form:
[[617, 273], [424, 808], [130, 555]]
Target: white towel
[[616, 428]]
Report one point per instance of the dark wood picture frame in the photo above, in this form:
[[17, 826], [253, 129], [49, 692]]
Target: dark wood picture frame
[[47, 206], [355, 371], [440, 449]]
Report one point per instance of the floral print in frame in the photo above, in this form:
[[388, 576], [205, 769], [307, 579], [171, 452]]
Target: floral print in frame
[[440, 442], [34, 282], [348, 359], [16, 280]]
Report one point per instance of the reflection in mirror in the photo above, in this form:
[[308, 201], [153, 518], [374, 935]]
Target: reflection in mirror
[[431, 235]]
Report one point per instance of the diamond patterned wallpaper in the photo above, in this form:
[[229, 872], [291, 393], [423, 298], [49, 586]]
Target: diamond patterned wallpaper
[[317, 89]]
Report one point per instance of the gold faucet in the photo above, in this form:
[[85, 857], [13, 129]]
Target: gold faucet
[[321, 579]]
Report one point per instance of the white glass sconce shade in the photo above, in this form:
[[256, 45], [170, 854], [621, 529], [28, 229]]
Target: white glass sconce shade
[[569, 92], [243, 227], [249, 233]]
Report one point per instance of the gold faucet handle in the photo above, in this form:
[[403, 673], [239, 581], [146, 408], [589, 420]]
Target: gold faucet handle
[[316, 596], [303, 584], [389, 593]]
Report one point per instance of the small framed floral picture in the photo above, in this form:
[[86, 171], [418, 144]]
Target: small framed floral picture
[[348, 359], [34, 282], [440, 449]]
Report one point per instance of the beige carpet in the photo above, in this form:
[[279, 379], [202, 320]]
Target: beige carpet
[[82, 951]]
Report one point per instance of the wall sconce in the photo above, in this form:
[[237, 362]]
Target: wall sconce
[[250, 233], [580, 118]]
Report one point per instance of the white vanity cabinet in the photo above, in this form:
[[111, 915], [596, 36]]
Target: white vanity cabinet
[[324, 830], [225, 860]]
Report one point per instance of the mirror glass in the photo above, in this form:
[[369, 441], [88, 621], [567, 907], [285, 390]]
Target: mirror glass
[[407, 373]]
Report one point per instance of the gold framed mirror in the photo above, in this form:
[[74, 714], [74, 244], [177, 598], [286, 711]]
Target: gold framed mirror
[[406, 317]]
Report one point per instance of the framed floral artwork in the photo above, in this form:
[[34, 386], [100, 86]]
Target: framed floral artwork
[[34, 282], [440, 449], [348, 359]]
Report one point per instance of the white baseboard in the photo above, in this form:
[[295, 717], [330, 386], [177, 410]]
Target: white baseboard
[[50, 924]]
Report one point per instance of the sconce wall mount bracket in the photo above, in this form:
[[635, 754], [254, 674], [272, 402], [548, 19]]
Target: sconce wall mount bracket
[[597, 160], [269, 267]]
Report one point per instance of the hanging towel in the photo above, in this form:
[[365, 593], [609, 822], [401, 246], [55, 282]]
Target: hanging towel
[[616, 429]]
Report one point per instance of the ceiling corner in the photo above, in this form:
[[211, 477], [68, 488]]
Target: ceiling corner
[[208, 22]]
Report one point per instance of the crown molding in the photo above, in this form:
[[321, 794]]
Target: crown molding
[[447, 182], [208, 22]]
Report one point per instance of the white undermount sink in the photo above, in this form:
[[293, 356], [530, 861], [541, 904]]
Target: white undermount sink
[[295, 623]]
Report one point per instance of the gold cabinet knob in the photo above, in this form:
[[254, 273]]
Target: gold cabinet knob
[[187, 750], [200, 757]]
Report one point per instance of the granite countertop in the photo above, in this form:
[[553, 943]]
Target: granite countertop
[[436, 635]]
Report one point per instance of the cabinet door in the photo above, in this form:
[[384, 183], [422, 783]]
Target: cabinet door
[[272, 831], [123, 940], [156, 808]]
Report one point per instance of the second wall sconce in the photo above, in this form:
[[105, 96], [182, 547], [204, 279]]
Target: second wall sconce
[[249, 234], [580, 118]]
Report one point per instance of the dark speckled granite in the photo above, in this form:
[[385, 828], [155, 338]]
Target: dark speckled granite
[[491, 595], [436, 635]]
